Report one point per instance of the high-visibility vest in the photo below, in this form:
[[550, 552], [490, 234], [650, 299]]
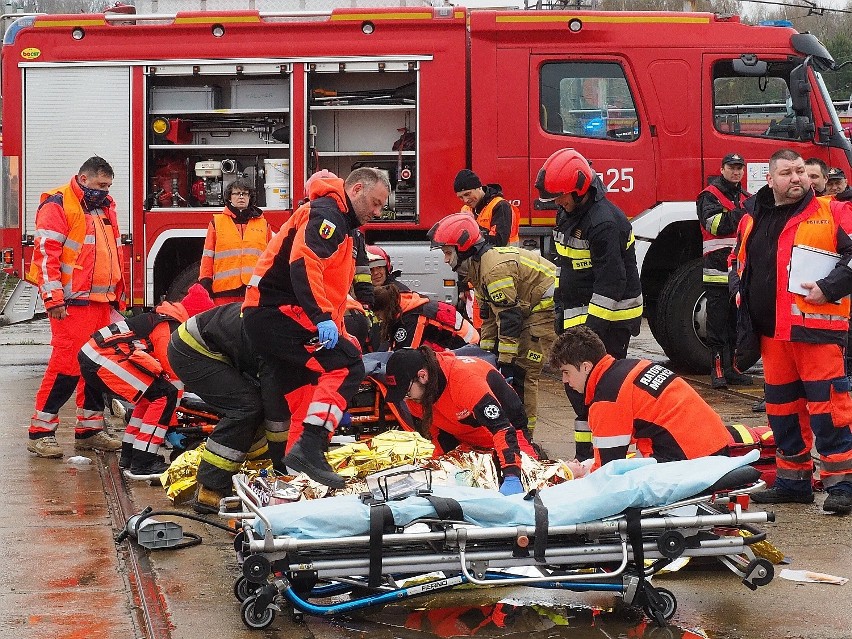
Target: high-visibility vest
[[235, 255], [815, 227], [484, 219]]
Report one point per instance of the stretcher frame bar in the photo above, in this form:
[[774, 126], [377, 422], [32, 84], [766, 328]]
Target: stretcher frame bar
[[472, 533], [581, 556]]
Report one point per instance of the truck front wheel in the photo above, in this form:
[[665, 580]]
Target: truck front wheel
[[680, 320], [180, 285]]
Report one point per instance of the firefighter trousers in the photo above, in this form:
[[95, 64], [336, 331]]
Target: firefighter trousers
[[319, 382], [616, 340], [534, 346], [807, 403], [62, 376], [239, 435], [152, 413], [721, 318]]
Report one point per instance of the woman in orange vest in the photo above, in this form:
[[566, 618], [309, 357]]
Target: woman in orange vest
[[235, 239], [409, 319]]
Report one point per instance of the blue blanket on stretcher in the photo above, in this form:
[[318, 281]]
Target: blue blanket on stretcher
[[621, 484]]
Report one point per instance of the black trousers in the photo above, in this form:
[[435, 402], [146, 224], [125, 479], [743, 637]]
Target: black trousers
[[721, 319], [236, 397]]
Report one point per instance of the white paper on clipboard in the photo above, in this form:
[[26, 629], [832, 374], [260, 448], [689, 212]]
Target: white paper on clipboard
[[808, 264]]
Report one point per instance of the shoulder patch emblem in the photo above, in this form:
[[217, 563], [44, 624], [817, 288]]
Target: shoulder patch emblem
[[326, 229], [400, 335], [492, 411]]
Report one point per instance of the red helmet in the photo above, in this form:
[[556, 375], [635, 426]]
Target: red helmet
[[566, 171], [457, 229], [378, 257]]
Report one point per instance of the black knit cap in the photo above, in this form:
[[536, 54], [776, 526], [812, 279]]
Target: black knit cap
[[466, 180]]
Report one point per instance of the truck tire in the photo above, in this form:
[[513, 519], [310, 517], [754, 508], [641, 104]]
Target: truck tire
[[180, 285], [680, 318]]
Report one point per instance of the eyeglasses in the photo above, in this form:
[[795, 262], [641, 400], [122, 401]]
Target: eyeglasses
[[240, 194]]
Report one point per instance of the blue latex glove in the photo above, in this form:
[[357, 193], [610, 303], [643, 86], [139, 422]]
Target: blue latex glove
[[511, 485], [328, 333]]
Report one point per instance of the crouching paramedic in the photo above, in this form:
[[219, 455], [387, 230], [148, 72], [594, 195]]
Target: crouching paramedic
[[462, 400], [128, 358], [294, 308], [514, 289], [215, 360], [636, 402], [409, 319]]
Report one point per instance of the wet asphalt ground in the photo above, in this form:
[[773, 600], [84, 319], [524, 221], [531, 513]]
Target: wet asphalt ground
[[63, 575]]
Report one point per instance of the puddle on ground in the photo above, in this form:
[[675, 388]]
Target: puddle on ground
[[512, 619]]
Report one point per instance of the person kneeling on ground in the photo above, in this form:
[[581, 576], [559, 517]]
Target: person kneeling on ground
[[409, 319], [636, 402], [212, 355], [128, 359], [462, 400]]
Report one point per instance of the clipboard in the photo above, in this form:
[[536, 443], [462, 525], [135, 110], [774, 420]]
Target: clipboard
[[809, 264]]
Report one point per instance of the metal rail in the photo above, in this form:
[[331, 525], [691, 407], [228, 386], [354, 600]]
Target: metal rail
[[150, 615]]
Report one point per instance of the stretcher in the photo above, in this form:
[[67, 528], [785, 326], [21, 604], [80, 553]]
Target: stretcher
[[610, 531]]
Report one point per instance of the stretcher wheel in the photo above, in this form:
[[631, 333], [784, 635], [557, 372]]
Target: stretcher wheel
[[243, 588], [671, 544], [257, 569], [253, 619], [759, 572], [663, 608]]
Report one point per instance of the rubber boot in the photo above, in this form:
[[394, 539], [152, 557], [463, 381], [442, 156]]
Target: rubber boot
[[732, 375], [717, 371], [306, 456]]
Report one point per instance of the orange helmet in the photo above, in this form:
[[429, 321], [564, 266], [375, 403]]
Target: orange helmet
[[566, 171], [457, 229]]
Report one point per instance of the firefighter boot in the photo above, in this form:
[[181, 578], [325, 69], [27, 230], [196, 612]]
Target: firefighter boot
[[146, 466], [276, 454], [717, 371], [126, 457], [206, 501], [306, 456], [732, 376]]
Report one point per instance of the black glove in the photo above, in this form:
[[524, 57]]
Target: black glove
[[507, 371]]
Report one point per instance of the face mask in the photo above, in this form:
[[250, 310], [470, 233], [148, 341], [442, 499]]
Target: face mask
[[94, 197]]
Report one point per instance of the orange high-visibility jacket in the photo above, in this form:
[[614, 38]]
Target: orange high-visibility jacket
[[641, 402], [77, 256], [310, 262]]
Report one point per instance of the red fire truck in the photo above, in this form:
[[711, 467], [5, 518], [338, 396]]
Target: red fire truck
[[182, 104]]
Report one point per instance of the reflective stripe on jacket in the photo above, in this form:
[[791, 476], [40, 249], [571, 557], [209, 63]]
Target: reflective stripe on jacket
[[598, 277], [818, 225], [719, 214], [510, 285], [77, 256]]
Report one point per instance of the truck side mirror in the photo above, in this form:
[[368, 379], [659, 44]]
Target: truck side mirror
[[800, 90]]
